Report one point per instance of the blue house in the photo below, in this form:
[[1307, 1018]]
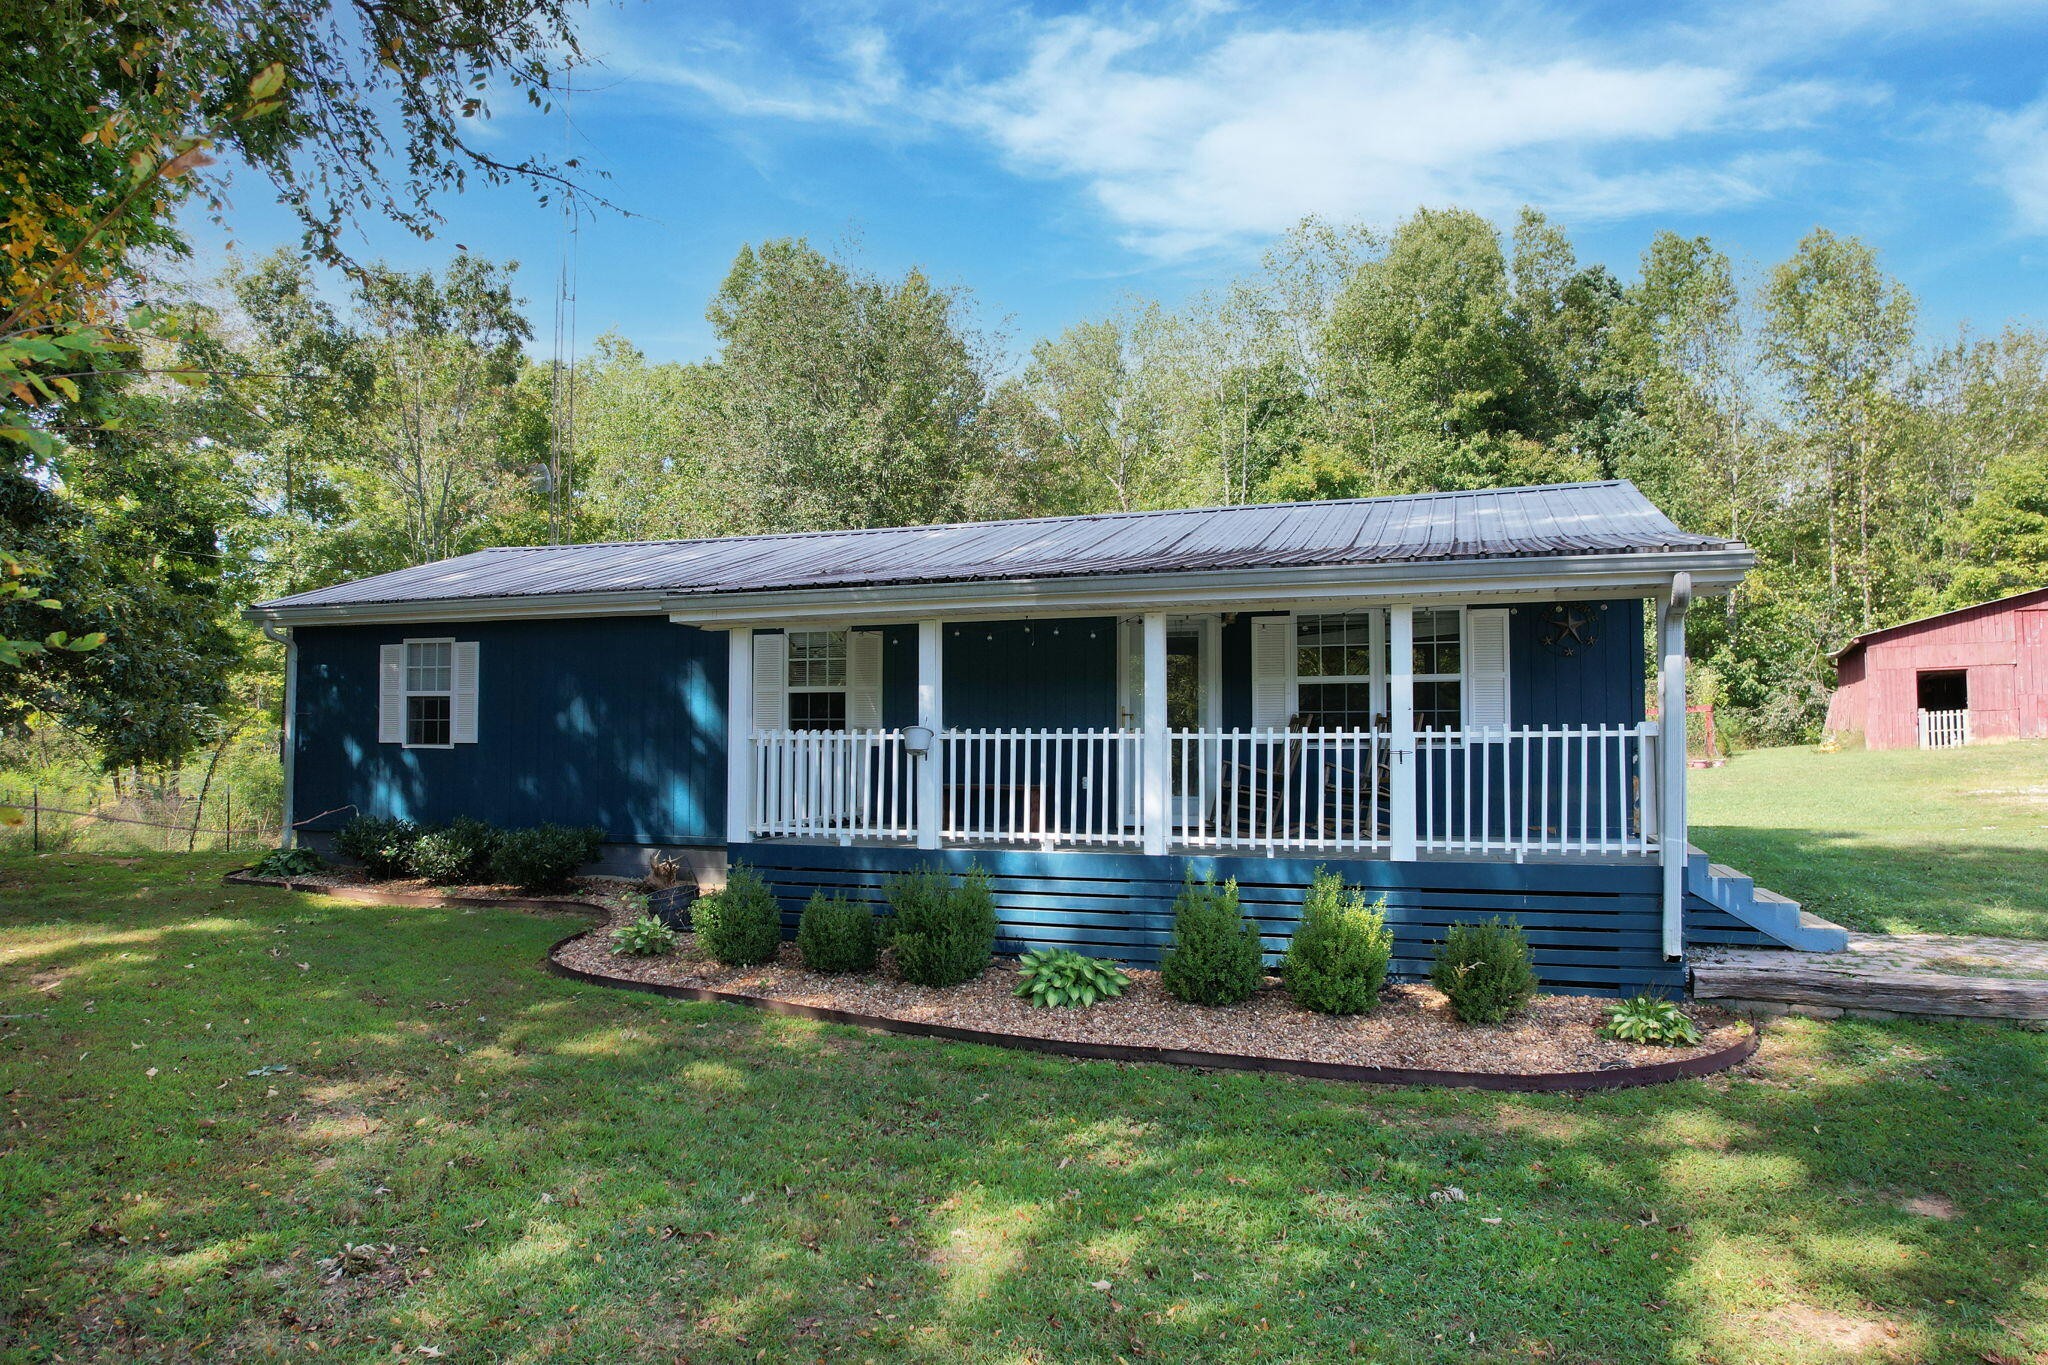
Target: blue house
[[1442, 696]]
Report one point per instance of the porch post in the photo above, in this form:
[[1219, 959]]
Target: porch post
[[739, 734], [1401, 739], [1154, 768], [1672, 728], [931, 712]]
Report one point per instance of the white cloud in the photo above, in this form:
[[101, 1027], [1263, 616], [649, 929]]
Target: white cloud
[[1247, 135], [2018, 145], [1213, 126]]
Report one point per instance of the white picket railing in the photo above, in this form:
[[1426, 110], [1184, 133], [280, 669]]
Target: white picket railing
[[1944, 729], [1569, 790], [1553, 789], [833, 784], [1273, 789], [1046, 787]]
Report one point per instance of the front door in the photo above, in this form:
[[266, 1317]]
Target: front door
[[1192, 703]]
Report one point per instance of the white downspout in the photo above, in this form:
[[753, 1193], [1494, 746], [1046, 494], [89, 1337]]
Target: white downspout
[[1671, 714], [288, 735]]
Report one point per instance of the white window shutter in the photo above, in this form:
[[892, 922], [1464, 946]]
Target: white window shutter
[[864, 680], [1272, 672], [771, 682], [1486, 667], [462, 705], [391, 694]]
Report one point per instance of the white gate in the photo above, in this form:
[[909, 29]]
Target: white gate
[[1944, 729]]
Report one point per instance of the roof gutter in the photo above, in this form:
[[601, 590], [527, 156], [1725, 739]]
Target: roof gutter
[[1531, 576]]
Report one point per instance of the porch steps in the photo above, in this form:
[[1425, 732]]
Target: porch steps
[[1725, 908]]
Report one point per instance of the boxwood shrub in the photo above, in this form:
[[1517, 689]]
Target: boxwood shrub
[[835, 934], [458, 853], [945, 932], [1337, 961], [1216, 957], [543, 857], [740, 926], [382, 845], [1485, 970]]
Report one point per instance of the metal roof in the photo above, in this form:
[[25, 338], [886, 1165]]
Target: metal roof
[[1554, 520], [1995, 604]]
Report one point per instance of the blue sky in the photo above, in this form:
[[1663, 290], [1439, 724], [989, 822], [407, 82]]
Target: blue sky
[[1053, 158]]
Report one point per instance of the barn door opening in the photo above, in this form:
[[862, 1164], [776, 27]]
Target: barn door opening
[[1945, 689]]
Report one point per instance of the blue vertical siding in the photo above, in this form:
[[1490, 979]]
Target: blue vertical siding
[[1030, 674], [617, 722], [1601, 685]]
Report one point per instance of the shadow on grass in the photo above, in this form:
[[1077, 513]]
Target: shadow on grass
[[1940, 886], [565, 1172]]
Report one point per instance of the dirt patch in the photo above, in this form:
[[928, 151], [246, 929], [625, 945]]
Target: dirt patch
[[1931, 1206], [1413, 1027], [1853, 1338]]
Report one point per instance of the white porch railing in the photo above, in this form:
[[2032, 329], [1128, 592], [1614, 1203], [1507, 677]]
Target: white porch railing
[[1569, 789], [833, 784], [1944, 729], [1272, 789], [1046, 787]]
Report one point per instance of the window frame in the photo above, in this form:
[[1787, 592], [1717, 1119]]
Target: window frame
[[1375, 677], [407, 691], [843, 687], [1417, 677]]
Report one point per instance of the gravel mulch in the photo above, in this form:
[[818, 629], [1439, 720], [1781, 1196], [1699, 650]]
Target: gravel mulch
[[1413, 1026]]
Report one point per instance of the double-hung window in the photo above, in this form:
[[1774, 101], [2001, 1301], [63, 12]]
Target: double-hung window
[[429, 694], [1439, 669], [817, 679], [1337, 680], [427, 691]]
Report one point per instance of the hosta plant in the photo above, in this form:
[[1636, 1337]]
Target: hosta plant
[[1063, 977], [1650, 1019], [288, 862], [643, 937]]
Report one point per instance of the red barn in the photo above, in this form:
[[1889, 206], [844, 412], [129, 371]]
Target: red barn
[[1976, 673]]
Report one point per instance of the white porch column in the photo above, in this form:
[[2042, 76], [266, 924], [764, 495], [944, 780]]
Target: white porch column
[[1154, 805], [739, 735], [1401, 720], [931, 714], [1671, 717]]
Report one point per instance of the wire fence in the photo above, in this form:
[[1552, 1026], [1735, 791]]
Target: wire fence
[[161, 822]]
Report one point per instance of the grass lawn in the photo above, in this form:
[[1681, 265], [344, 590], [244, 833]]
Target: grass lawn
[[1950, 841], [210, 1090]]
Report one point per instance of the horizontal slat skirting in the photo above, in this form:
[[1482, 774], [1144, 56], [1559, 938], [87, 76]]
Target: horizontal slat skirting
[[1591, 928]]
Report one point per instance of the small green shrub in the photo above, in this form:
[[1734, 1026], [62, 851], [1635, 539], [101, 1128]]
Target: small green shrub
[[1648, 1018], [1216, 957], [458, 853], [1063, 977], [1485, 970], [740, 926], [643, 937], [288, 862], [1337, 961], [544, 857], [382, 845], [945, 932], [835, 934]]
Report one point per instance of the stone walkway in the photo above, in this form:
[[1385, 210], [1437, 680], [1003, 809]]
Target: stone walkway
[[1884, 976]]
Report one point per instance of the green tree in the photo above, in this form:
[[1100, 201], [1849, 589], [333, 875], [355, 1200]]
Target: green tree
[[842, 399]]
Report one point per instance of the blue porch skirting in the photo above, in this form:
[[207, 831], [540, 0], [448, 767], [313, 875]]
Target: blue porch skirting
[[1594, 928]]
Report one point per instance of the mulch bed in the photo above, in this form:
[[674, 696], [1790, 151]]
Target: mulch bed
[[1412, 1030], [1411, 1038]]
